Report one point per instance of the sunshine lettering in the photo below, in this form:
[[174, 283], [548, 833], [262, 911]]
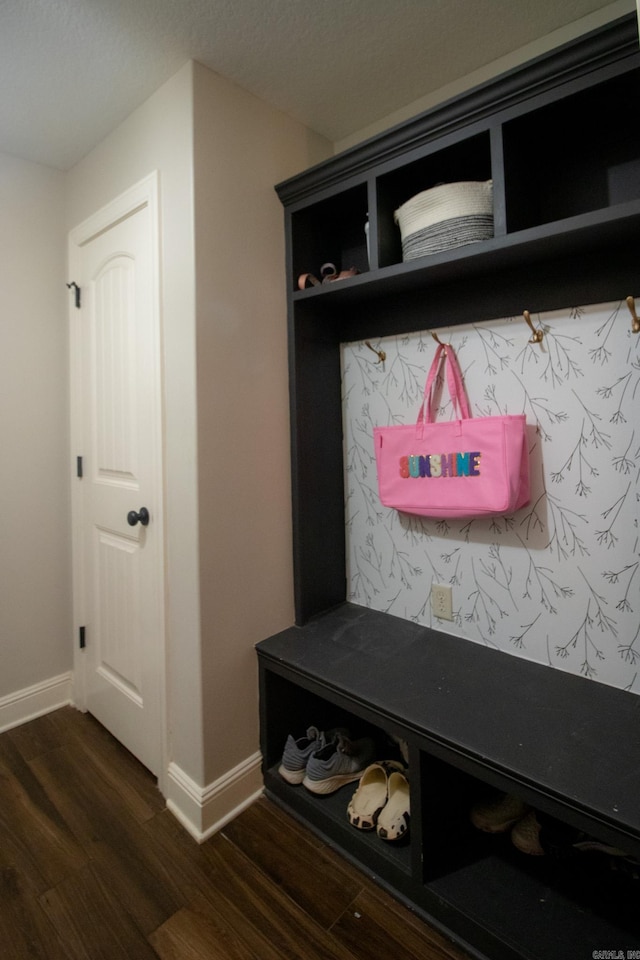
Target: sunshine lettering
[[441, 465]]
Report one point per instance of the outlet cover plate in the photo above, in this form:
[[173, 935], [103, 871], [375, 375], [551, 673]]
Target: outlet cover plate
[[442, 601]]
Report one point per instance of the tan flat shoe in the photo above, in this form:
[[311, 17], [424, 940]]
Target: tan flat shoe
[[525, 835], [498, 816], [395, 816], [371, 796]]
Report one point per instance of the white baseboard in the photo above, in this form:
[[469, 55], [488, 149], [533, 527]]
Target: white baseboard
[[201, 810], [205, 810], [24, 705]]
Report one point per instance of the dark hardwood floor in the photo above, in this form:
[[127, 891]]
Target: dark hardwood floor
[[93, 867]]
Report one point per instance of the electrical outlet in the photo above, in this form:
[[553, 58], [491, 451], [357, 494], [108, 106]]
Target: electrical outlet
[[441, 601]]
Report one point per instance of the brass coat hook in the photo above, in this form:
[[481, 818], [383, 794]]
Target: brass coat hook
[[380, 353], [437, 338], [635, 322], [538, 333]]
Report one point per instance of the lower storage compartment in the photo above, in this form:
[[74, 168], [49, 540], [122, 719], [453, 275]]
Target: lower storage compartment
[[536, 887], [527, 884], [328, 816], [542, 910], [299, 711]]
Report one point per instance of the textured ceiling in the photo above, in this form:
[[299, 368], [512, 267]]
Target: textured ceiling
[[71, 70]]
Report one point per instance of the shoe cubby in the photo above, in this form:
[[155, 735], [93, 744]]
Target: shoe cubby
[[327, 812], [575, 156], [559, 140], [467, 159], [565, 899]]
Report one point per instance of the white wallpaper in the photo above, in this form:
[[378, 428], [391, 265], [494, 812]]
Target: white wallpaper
[[559, 581]]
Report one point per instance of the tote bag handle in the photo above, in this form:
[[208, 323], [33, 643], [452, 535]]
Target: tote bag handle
[[457, 392]]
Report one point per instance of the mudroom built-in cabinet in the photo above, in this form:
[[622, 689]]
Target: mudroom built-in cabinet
[[559, 140]]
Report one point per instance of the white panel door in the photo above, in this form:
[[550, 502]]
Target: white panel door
[[121, 572]]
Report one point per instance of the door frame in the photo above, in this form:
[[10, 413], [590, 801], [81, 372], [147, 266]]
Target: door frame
[[145, 192]]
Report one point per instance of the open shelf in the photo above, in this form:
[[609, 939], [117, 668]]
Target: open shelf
[[331, 231], [514, 895], [573, 156], [613, 227], [304, 709], [540, 910], [320, 811], [558, 140], [469, 159]]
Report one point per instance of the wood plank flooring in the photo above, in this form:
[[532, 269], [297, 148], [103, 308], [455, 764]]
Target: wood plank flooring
[[93, 867]]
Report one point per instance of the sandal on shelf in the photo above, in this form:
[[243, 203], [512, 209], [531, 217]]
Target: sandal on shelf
[[395, 816], [371, 796], [306, 280], [329, 273]]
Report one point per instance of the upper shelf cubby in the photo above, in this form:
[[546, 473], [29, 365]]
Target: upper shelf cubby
[[468, 159], [573, 156], [331, 231]]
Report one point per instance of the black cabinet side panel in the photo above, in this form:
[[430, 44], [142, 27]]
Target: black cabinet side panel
[[317, 469]]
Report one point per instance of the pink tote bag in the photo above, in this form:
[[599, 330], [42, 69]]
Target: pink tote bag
[[465, 467]]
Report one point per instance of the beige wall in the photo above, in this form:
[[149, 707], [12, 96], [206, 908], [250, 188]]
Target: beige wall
[[242, 148], [35, 560]]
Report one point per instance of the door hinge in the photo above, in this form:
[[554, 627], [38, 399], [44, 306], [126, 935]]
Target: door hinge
[[78, 466], [82, 638], [74, 286]]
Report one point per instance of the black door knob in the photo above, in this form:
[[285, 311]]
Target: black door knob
[[141, 517]]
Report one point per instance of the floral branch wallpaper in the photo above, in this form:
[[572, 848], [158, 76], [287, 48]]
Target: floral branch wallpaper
[[558, 582]]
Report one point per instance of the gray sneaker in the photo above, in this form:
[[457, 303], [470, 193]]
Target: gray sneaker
[[297, 752], [339, 762]]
